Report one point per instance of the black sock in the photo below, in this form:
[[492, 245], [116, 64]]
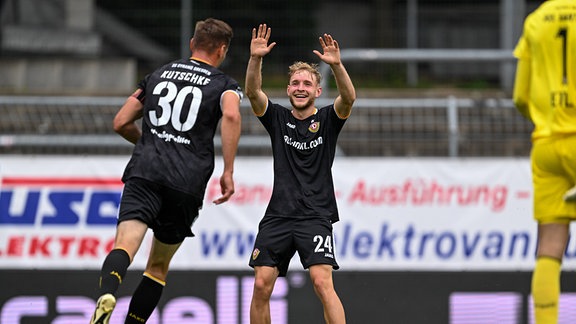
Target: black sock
[[144, 300], [113, 271]]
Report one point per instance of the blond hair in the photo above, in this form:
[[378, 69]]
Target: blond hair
[[303, 66]]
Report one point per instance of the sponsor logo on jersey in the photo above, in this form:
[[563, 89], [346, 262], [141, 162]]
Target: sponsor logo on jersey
[[303, 146]]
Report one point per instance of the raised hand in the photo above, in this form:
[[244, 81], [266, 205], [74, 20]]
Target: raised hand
[[330, 49], [259, 44]]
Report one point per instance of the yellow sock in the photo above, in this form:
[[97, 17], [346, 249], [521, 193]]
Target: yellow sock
[[546, 290]]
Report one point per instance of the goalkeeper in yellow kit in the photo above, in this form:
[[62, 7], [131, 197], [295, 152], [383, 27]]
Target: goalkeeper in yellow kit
[[545, 93]]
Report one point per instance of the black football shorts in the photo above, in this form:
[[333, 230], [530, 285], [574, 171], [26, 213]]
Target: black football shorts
[[168, 212], [279, 238]]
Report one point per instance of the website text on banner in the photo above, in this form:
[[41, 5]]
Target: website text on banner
[[396, 214]]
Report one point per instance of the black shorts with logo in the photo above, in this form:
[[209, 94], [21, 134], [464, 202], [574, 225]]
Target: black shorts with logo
[[168, 212], [279, 238]]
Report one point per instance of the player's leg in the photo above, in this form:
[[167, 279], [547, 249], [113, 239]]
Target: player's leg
[[129, 236], [264, 280], [315, 245], [148, 293], [138, 207], [549, 160], [270, 258], [552, 240], [321, 275], [172, 224]]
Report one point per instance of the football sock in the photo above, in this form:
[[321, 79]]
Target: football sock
[[145, 299], [113, 271], [546, 290]]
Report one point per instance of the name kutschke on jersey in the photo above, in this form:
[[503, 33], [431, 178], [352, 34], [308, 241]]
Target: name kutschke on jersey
[[187, 76]]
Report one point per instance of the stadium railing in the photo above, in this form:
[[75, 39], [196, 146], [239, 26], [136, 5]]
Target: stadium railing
[[436, 127]]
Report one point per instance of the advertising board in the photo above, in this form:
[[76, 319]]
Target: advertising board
[[223, 297], [396, 214], [419, 241]]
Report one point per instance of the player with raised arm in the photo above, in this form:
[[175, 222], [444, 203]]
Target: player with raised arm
[[302, 208]]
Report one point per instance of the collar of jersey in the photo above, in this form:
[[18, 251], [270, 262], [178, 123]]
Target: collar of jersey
[[199, 60], [314, 113]]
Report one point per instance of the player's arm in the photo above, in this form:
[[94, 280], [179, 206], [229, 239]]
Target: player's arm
[[346, 92], [521, 94], [125, 120], [253, 85], [230, 134]]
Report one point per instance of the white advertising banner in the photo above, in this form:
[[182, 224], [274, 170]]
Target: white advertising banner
[[420, 214]]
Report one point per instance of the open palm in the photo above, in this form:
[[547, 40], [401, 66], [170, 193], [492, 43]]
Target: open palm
[[330, 49], [259, 44]]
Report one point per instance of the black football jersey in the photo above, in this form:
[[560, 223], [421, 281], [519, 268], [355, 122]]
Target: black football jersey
[[180, 117], [303, 153]]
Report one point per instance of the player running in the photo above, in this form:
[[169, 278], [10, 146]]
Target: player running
[[181, 105]]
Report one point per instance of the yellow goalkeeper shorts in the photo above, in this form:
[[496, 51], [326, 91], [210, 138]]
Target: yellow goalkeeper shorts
[[553, 162]]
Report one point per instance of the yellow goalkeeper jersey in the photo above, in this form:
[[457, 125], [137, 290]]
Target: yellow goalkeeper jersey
[[547, 53]]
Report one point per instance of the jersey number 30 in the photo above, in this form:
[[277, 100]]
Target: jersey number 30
[[171, 104]]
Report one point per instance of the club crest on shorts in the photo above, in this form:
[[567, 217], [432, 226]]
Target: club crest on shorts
[[314, 126], [255, 254]]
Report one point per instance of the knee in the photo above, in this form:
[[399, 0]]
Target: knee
[[321, 277], [321, 284], [263, 288]]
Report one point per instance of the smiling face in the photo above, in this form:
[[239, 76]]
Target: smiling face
[[303, 89]]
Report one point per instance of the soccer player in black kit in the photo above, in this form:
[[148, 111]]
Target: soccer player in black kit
[[181, 105], [302, 208]]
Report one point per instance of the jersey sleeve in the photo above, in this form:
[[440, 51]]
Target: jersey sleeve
[[232, 86], [267, 119], [522, 50], [142, 85], [237, 91], [335, 120]]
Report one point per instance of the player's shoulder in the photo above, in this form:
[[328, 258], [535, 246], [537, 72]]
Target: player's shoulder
[[326, 110], [551, 7], [276, 105]]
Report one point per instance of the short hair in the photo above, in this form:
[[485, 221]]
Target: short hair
[[211, 33], [303, 66]]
